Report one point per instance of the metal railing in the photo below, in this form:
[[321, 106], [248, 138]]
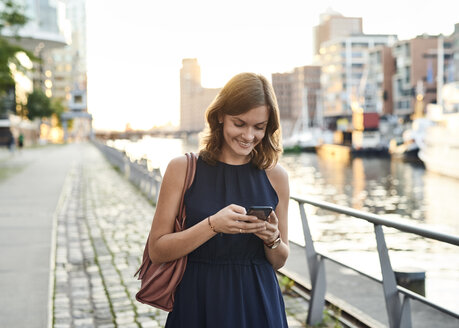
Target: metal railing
[[147, 181], [399, 312]]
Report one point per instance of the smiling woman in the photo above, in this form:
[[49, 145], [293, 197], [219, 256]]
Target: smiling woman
[[244, 116], [242, 133], [231, 255]]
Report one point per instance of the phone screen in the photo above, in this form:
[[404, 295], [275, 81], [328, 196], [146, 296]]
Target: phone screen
[[261, 212]]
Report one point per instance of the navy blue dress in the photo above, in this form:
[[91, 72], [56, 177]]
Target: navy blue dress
[[228, 282]]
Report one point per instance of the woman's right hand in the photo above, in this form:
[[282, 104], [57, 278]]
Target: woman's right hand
[[233, 219]]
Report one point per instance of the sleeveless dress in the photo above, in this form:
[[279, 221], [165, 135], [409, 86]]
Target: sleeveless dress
[[228, 282]]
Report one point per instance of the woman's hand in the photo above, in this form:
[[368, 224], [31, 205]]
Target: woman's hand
[[233, 219], [272, 230]]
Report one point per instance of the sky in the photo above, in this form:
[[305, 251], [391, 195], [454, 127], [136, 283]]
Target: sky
[[136, 47]]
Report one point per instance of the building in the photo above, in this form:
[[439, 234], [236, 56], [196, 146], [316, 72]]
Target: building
[[415, 77], [298, 97], [453, 70], [40, 35], [67, 73], [343, 64], [282, 84], [380, 68], [194, 99], [333, 25]]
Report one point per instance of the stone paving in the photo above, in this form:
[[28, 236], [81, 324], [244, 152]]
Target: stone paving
[[102, 224]]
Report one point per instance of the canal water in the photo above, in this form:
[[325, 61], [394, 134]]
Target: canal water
[[402, 191]]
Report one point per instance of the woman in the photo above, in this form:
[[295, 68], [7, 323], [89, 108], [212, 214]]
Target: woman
[[229, 279]]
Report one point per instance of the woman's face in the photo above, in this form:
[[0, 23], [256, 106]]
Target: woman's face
[[241, 133]]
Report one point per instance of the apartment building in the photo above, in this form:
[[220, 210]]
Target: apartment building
[[69, 64], [298, 96], [380, 68], [454, 70], [416, 71], [194, 99], [343, 64], [334, 25]]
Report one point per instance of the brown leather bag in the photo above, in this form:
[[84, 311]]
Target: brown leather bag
[[159, 280]]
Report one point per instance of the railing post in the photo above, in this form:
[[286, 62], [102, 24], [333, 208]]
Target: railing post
[[316, 272], [399, 317]]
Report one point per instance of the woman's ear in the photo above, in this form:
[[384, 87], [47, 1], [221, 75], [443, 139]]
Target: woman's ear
[[220, 118]]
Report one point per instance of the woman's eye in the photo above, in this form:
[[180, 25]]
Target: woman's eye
[[260, 128], [240, 125]]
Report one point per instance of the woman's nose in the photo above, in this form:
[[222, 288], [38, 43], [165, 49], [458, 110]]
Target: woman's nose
[[248, 134]]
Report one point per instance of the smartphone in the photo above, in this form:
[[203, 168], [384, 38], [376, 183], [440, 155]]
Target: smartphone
[[261, 212]]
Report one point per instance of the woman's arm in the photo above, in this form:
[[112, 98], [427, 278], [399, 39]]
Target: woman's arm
[[278, 221], [165, 244]]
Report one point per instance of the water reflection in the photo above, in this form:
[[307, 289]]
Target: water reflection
[[378, 185]]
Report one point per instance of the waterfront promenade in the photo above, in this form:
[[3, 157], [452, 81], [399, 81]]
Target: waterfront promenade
[[72, 234]]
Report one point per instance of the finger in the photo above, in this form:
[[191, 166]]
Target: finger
[[249, 218], [252, 230], [273, 217], [252, 226], [262, 235], [271, 226], [238, 209]]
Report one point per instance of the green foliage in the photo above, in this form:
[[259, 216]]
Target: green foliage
[[286, 284], [12, 17], [38, 105], [58, 108]]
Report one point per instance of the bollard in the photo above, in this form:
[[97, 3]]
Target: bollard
[[413, 279]]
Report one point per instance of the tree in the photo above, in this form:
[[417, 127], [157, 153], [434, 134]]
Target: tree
[[38, 105], [11, 17], [58, 109]]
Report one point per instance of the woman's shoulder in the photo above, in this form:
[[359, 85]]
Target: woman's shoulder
[[176, 170], [177, 162], [278, 177], [277, 173]]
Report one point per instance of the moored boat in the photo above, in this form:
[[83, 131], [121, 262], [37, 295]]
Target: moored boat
[[440, 152]]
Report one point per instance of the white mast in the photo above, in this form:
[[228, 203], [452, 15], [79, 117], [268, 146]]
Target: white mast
[[440, 68]]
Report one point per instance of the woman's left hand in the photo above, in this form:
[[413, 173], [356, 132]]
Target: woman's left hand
[[272, 229]]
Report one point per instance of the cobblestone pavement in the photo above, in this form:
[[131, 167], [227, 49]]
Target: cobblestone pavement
[[102, 224]]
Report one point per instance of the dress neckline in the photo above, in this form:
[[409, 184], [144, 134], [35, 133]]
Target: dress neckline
[[234, 165]]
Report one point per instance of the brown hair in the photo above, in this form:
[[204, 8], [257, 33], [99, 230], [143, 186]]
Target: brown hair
[[242, 93]]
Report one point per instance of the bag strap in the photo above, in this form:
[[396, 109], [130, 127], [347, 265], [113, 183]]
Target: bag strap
[[189, 177]]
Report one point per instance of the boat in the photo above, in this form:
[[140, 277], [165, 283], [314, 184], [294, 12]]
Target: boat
[[306, 140], [413, 139], [335, 152], [303, 136], [440, 152]]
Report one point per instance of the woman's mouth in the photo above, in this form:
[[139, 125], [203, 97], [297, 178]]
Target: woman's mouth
[[245, 144]]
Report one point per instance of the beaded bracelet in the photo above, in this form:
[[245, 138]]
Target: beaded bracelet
[[210, 224]]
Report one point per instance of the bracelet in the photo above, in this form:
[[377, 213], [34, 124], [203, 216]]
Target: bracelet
[[275, 243], [210, 224]]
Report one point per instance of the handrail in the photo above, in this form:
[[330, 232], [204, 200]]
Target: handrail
[[376, 219], [399, 313], [148, 182]]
